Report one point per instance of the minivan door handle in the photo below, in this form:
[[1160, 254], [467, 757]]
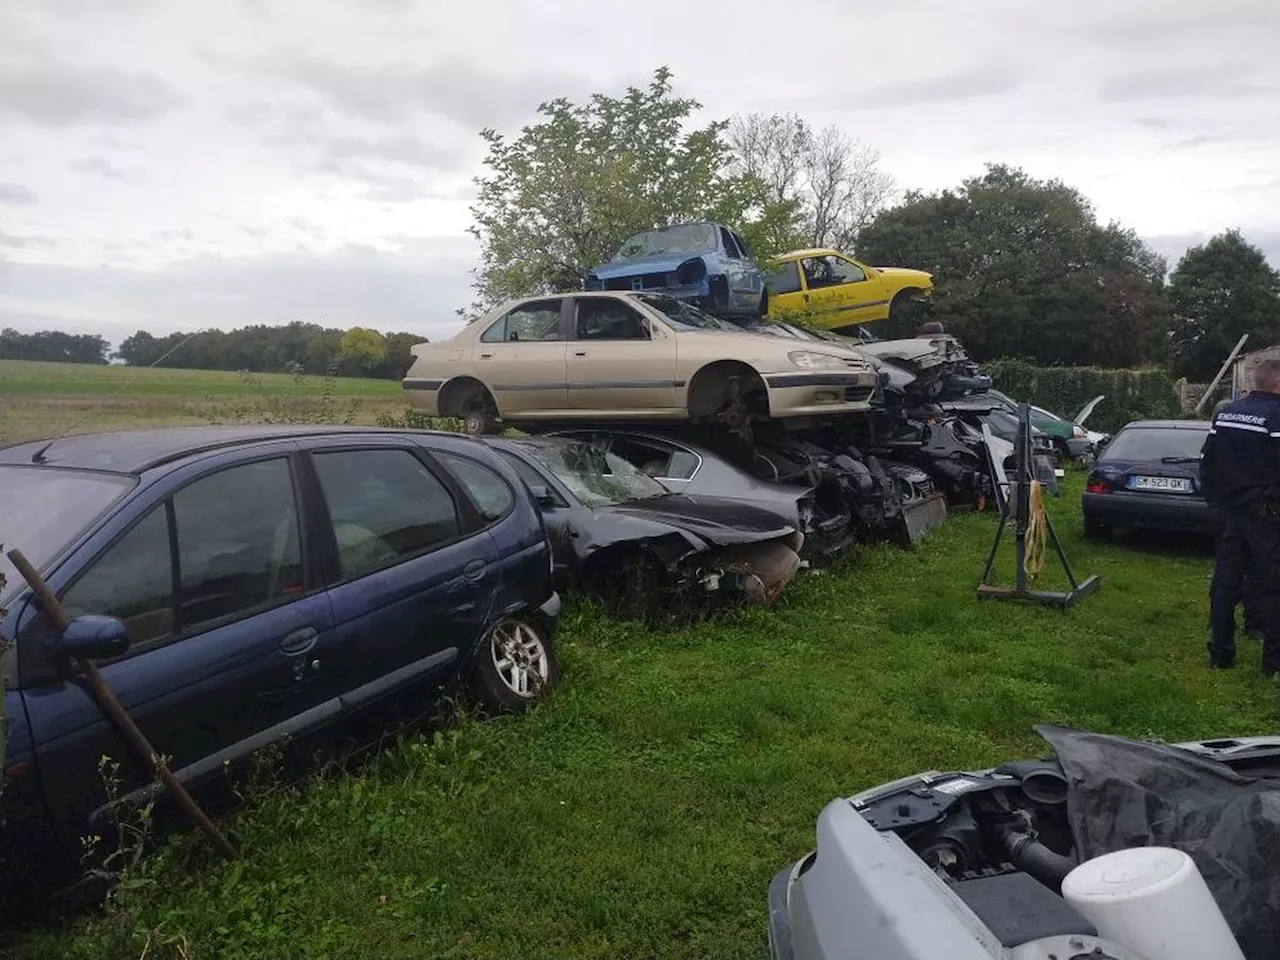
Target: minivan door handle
[[300, 641], [474, 570]]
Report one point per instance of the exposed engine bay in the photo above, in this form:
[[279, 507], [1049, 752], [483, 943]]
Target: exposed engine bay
[[972, 865]]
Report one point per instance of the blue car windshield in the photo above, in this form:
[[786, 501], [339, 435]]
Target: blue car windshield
[[56, 507], [1152, 444], [685, 238]]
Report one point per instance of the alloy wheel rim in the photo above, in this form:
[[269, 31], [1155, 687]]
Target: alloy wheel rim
[[519, 658]]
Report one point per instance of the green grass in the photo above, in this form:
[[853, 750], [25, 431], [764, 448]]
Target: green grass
[[642, 812], [45, 399]]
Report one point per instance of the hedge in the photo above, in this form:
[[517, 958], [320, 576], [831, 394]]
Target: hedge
[[1130, 394]]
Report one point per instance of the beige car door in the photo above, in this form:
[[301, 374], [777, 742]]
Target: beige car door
[[619, 364], [521, 359]]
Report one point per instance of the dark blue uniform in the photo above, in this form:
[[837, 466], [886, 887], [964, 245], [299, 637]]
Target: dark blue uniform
[[1240, 477]]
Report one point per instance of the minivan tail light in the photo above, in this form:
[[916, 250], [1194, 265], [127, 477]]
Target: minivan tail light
[[1097, 486]]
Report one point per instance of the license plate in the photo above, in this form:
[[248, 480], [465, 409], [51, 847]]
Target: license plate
[[1166, 484]]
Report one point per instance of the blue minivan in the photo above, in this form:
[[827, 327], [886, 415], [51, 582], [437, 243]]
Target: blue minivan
[[270, 580]]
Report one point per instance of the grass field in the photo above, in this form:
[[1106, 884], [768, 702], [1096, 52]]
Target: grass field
[[642, 812], [43, 399]]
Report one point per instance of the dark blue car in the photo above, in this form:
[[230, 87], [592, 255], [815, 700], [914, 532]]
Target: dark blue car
[[271, 580], [705, 263]]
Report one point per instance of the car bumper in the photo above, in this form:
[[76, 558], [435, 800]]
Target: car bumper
[[780, 947], [1151, 511], [819, 392], [423, 394]]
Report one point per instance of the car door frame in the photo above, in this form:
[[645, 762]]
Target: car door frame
[[408, 669], [517, 399], [595, 390], [752, 271], [40, 677]]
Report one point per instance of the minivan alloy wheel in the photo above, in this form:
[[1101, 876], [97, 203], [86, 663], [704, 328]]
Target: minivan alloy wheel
[[519, 657]]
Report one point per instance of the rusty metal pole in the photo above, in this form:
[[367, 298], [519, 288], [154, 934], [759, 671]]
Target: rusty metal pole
[[117, 713]]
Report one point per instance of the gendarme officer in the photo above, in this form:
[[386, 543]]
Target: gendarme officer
[[1240, 477]]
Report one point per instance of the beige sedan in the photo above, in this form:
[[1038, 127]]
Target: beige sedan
[[629, 356]]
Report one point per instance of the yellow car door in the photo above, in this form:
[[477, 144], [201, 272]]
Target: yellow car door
[[786, 296], [521, 359], [619, 364], [840, 293]]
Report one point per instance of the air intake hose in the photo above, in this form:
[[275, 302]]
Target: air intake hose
[[1029, 854]]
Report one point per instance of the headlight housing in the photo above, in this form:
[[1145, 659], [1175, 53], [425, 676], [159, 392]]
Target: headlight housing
[[808, 360], [691, 271], [1078, 432]]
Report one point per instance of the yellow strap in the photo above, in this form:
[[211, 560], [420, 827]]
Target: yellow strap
[[1037, 533]]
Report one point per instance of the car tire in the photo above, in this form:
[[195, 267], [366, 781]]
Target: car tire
[[1096, 529], [515, 666], [481, 416], [762, 308]]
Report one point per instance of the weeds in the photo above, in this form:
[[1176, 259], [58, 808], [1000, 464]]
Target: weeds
[[299, 404], [411, 419]]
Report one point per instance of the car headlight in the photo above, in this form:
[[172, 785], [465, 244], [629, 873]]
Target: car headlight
[[808, 360], [1077, 432]]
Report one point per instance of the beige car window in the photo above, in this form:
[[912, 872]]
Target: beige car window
[[529, 321], [609, 319]]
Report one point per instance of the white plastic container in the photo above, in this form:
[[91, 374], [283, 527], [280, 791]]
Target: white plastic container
[[1153, 901]]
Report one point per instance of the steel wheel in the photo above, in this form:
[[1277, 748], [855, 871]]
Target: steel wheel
[[519, 658]]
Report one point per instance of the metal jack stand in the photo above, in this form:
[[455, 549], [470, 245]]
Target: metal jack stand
[[1020, 512]]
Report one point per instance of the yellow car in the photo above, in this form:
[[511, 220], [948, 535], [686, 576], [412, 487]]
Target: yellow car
[[838, 291]]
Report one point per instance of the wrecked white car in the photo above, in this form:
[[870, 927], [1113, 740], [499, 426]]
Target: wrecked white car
[[1115, 849]]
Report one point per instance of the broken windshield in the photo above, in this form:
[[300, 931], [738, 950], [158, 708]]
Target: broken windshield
[[593, 475], [685, 316], [685, 238], [57, 505]]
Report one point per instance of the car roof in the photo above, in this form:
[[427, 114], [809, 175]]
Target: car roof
[[1170, 424], [133, 451], [809, 252]]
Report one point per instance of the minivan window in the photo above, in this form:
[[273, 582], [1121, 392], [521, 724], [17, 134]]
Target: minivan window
[[238, 542], [132, 581], [489, 492], [59, 505], [385, 507]]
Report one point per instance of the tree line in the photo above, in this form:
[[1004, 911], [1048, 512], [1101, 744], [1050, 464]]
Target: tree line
[[53, 346], [1022, 266]]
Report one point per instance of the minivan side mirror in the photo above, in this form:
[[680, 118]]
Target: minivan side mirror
[[542, 495], [90, 638]]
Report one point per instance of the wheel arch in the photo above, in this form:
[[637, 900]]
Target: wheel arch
[[453, 393], [706, 386]]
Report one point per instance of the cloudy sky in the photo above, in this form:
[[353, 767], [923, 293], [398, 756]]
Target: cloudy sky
[[178, 165]]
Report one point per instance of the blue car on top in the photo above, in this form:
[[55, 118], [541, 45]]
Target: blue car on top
[[705, 263], [270, 581]]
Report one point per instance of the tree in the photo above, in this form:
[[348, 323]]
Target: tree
[[1023, 268], [362, 348], [1219, 291], [562, 196], [834, 182], [52, 346]]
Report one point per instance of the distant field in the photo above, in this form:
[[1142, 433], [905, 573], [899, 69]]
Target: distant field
[[44, 399]]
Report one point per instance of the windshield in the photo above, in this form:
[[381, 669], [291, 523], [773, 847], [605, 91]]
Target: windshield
[[1154, 443], [685, 316], [57, 505], [595, 477], [685, 238]]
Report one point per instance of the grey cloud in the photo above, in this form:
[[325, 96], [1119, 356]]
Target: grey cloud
[[1172, 246], [980, 81], [15, 193], [1153, 123], [1171, 83], [400, 148], [418, 291], [14, 241], [450, 87], [102, 167], [60, 94]]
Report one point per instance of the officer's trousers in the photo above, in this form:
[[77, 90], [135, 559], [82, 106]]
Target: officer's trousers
[[1246, 545]]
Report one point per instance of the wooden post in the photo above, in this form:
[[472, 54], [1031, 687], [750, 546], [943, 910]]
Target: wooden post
[[117, 713]]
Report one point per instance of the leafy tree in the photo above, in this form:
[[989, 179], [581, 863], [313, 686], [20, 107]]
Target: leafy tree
[[362, 348], [1219, 291], [562, 196], [1023, 268], [834, 183], [53, 346]]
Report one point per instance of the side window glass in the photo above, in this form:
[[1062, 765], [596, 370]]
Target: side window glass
[[537, 321], [133, 581], [818, 273], [845, 272], [784, 277], [742, 245], [490, 493], [683, 465], [730, 248], [531, 477], [605, 318], [385, 506], [238, 542]]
